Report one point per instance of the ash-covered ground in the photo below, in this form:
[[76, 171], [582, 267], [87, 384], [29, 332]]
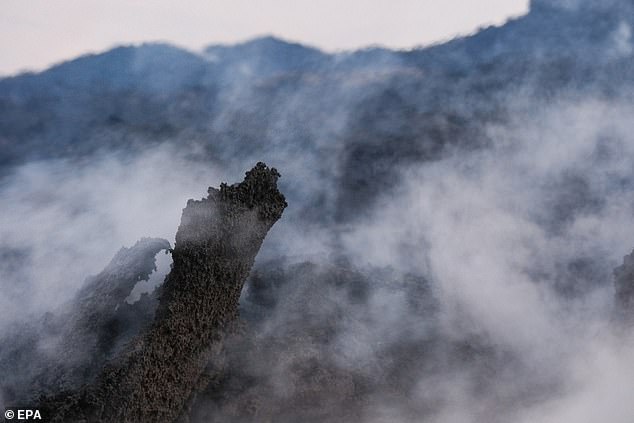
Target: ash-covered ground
[[455, 217]]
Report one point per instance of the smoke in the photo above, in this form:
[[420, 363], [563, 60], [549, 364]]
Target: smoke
[[500, 231], [155, 279], [623, 40], [515, 243], [464, 283], [63, 220]]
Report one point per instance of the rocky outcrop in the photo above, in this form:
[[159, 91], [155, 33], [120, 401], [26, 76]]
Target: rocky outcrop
[[292, 362], [151, 376], [624, 286], [216, 245], [64, 350]]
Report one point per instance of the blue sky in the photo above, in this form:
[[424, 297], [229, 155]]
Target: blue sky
[[37, 33]]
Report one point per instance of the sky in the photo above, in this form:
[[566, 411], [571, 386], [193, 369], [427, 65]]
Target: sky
[[35, 34]]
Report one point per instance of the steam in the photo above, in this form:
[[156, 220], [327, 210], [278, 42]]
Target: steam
[[511, 248], [498, 232], [490, 230], [163, 266], [62, 221]]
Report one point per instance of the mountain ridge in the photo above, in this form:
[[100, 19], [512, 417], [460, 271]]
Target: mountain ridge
[[455, 214], [302, 56]]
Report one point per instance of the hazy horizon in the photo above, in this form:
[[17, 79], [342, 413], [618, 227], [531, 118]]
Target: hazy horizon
[[38, 34]]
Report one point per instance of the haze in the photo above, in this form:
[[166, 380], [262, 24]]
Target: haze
[[37, 33]]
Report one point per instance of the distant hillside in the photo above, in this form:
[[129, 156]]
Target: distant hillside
[[455, 215], [367, 110]]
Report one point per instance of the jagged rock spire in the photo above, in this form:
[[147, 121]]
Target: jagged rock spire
[[158, 372]]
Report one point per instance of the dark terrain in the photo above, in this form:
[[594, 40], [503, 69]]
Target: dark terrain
[[452, 249]]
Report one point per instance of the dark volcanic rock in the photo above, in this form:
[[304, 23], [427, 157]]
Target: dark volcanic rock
[[624, 284], [67, 349], [154, 375], [216, 245], [293, 360]]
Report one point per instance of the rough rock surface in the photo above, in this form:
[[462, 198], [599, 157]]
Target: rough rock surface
[[314, 351], [216, 246], [152, 376], [624, 285], [64, 350]]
